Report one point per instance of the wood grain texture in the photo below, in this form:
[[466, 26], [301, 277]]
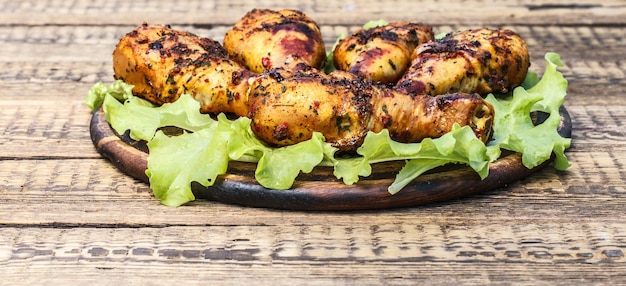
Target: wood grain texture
[[320, 189], [379, 253], [68, 217], [325, 12]]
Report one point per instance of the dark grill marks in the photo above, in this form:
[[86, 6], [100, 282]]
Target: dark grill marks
[[281, 131], [275, 74], [356, 107], [411, 87], [496, 59], [364, 36], [400, 31], [293, 45], [443, 102], [155, 45], [368, 57]]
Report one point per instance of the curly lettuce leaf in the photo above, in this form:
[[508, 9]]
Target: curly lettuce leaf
[[126, 112], [374, 24], [134, 114], [514, 129], [176, 161], [459, 146], [123, 110], [203, 153], [277, 168], [99, 91]]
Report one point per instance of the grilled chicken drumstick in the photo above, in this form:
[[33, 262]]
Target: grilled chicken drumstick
[[163, 64], [265, 39], [381, 53], [344, 107], [286, 105], [472, 61]]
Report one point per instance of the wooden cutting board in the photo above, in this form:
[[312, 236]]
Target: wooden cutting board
[[320, 190]]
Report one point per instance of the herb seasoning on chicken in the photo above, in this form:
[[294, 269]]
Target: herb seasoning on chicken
[[381, 53], [288, 98], [163, 64], [472, 61], [265, 39]]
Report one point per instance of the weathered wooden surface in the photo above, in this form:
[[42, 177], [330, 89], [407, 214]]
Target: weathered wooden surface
[[67, 216]]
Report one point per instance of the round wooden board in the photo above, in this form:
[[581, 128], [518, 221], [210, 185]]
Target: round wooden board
[[320, 190]]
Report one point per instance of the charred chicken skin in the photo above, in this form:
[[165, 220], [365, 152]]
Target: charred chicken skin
[[163, 64], [382, 53], [265, 39], [288, 98], [344, 107], [472, 61], [287, 107]]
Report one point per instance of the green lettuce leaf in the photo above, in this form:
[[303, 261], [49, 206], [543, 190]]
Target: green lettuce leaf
[[329, 66], [277, 168], [514, 129], [176, 161], [374, 24], [134, 114], [99, 91], [203, 152], [440, 35], [142, 118], [459, 146]]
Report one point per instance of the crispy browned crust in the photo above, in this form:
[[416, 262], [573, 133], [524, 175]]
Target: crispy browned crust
[[413, 118], [285, 111], [163, 64], [472, 61], [287, 105], [343, 107], [265, 39], [383, 53]]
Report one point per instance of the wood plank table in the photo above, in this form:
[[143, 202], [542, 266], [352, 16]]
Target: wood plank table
[[68, 216]]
